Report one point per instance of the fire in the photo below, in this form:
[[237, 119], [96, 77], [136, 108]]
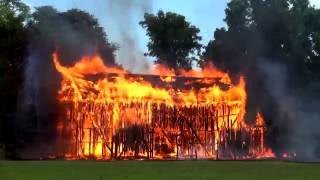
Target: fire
[[109, 113], [90, 65]]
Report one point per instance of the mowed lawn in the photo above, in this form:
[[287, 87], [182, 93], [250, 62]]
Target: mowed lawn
[[164, 170]]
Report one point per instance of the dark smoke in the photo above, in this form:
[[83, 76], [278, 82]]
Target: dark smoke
[[291, 113], [264, 45], [73, 34], [299, 114]]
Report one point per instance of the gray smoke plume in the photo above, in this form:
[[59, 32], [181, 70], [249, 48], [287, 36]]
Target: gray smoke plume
[[300, 114], [125, 17], [72, 38]]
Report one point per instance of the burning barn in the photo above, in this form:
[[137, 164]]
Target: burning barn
[[107, 113]]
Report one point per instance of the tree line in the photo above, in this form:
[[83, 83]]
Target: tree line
[[261, 38]]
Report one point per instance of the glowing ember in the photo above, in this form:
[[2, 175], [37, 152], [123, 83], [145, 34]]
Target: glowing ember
[[109, 113]]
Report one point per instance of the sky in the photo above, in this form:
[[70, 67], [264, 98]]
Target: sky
[[197, 12], [207, 15]]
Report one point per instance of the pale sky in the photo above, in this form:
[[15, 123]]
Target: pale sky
[[207, 15], [315, 2]]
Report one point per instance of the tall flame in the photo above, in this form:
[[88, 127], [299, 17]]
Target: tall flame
[[206, 111]]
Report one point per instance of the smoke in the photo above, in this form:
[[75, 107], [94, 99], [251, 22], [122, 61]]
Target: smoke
[[73, 38], [296, 113], [74, 33], [125, 15]]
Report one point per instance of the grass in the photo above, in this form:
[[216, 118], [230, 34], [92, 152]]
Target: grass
[[153, 170]]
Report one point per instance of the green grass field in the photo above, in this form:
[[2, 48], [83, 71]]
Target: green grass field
[[164, 170]]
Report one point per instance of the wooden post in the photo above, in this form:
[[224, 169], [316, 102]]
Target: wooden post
[[177, 148]]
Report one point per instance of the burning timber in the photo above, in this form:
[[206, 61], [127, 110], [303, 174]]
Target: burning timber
[[111, 114]]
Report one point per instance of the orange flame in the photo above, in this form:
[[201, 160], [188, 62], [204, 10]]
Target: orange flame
[[102, 108]]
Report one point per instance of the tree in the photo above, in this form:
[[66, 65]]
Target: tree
[[263, 32], [26, 43], [74, 32], [13, 51], [283, 30], [173, 40]]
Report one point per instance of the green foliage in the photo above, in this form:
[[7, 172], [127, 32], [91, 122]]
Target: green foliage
[[173, 40], [13, 15], [13, 11], [282, 30], [13, 44], [74, 32]]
